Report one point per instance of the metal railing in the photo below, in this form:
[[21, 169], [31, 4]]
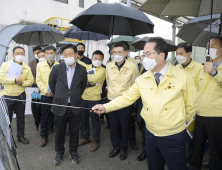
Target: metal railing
[[51, 23]]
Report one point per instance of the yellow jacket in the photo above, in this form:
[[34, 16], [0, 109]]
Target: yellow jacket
[[194, 69], [94, 93], [210, 94], [119, 82], [42, 76], [10, 88], [166, 110]]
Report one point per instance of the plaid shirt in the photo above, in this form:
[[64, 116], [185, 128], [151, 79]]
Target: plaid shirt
[[215, 66]]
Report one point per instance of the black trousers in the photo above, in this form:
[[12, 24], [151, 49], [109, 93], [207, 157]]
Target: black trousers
[[132, 130], [119, 122], [169, 149], [96, 126], [19, 109], [60, 126], [142, 128], [45, 112], [207, 128]]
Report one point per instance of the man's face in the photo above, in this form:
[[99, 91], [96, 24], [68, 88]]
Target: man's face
[[50, 52], [18, 51], [97, 57], [215, 43], [119, 51], [137, 58], [69, 52], [35, 52], [181, 51], [41, 55], [151, 53]]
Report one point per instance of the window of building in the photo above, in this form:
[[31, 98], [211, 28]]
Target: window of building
[[63, 1], [81, 3]]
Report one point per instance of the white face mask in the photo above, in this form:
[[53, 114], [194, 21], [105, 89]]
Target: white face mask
[[42, 59], [50, 57], [213, 53], [36, 56], [181, 59], [61, 57], [118, 58], [19, 58], [69, 61], [149, 64], [138, 61], [96, 63]]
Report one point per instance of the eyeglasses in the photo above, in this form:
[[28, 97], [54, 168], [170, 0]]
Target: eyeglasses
[[19, 54], [68, 55], [149, 54]]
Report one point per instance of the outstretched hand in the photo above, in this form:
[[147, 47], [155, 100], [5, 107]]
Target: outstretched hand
[[99, 109]]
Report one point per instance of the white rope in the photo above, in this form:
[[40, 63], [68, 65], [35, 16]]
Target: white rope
[[48, 104]]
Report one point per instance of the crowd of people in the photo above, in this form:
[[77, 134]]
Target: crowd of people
[[147, 91]]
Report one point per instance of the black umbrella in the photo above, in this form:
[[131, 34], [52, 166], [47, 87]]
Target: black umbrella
[[38, 34], [113, 19], [197, 30], [76, 33], [139, 44], [36, 108], [184, 8]]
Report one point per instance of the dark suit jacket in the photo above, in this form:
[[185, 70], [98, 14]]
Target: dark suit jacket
[[59, 87], [32, 65]]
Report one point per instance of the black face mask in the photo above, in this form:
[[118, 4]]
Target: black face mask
[[80, 53]]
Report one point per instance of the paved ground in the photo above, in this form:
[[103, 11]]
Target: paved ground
[[33, 157]]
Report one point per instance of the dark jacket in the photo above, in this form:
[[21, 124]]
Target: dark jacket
[[86, 60], [59, 87], [32, 65]]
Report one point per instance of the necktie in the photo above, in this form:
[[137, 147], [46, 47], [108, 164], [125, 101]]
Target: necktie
[[157, 78]]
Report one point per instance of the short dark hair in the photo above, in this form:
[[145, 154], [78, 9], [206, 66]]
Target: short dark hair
[[36, 48], [121, 44], [69, 46], [40, 51], [137, 56], [161, 45], [219, 38], [17, 47], [82, 45], [187, 47], [99, 53], [50, 47], [126, 45]]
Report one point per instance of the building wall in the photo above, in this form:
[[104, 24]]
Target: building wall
[[38, 11]]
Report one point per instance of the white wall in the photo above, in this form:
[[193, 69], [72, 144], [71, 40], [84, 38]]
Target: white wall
[[38, 11]]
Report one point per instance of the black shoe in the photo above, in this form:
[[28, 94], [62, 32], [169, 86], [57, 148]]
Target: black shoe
[[113, 153], [123, 155], [142, 156], [23, 140], [50, 131], [58, 159], [206, 165], [133, 145], [75, 157]]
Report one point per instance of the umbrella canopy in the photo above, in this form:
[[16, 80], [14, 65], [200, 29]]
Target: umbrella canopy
[[181, 7], [113, 19], [38, 34], [128, 39], [197, 30], [76, 33], [139, 44]]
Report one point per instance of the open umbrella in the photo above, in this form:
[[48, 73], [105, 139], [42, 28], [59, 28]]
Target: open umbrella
[[74, 32], [139, 44], [184, 8], [38, 34], [113, 19], [196, 31], [128, 39]]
